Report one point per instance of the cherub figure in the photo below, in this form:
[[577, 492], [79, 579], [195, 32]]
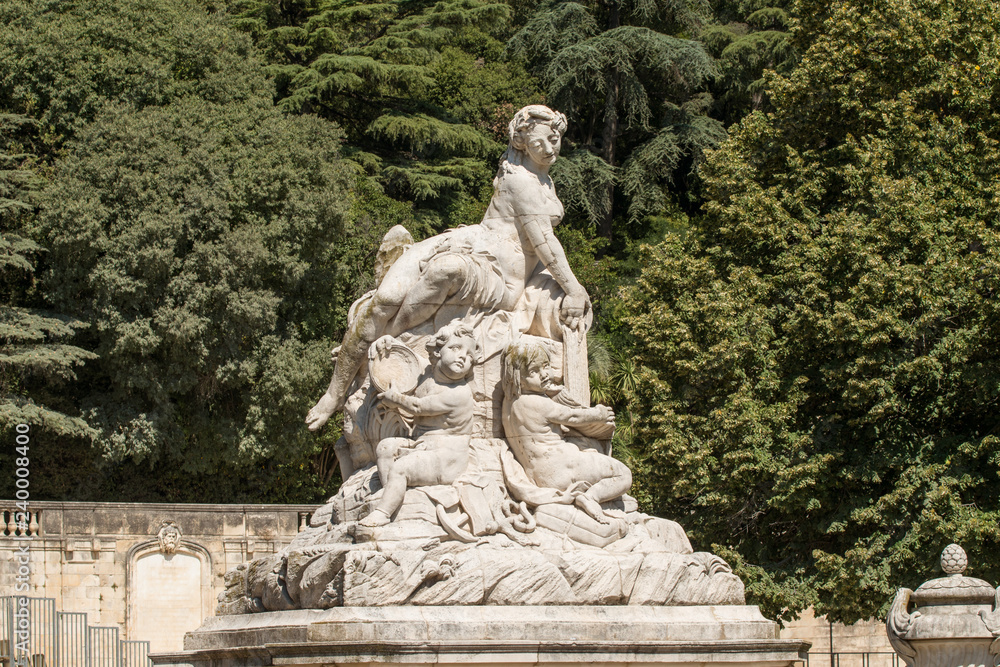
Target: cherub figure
[[443, 406], [534, 421]]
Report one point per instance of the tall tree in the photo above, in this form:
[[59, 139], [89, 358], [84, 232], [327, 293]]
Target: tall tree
[[415, 85], [822, 375], [209, 240], [61, 63], [747, 38], [198, 239], [36, 355], [636, 95]]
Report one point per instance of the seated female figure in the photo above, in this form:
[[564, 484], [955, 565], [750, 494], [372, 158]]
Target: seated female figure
[[482, 266]]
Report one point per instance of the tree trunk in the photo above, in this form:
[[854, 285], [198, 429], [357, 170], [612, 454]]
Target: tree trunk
[[610, 133], [608, 150]]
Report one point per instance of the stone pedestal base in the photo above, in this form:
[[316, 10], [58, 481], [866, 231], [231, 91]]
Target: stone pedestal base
[[721, 636]]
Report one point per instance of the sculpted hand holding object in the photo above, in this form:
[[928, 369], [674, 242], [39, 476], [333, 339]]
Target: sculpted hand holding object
[[533, 422], [443, 407]]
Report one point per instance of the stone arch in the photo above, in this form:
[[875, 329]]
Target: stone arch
[[166, 594]]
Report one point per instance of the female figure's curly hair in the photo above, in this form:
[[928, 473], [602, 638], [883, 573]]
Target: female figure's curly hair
[[519, 126]]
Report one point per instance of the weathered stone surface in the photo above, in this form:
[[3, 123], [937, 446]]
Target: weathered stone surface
[[482, 517], [413, 560], [601, 578], [698, 578], [105, 575], [958, 622], [167, 593], [612, 635], [476, 471]]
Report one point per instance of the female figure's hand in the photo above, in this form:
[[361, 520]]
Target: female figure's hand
[[575, 307]]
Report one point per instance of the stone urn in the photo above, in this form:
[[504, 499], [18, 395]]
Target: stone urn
[[953, 621]]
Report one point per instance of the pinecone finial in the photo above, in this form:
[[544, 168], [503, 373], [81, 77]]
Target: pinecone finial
[[954, 560]]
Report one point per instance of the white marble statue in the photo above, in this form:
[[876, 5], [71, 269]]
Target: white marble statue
[[484, 267], [535, 423], [443, 407], [352, 448], [475, 470]]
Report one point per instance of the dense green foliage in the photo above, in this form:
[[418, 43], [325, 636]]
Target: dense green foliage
[[194, 228], [822, 352], [805, 372], [60, 63], [749, 38], [636, 97], [35, 360], [194, 237], [416, 86]]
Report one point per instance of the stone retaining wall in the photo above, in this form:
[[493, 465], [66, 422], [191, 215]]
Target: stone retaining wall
[[106, 559]]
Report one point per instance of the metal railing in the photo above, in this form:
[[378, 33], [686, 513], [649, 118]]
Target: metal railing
[[63, 639]]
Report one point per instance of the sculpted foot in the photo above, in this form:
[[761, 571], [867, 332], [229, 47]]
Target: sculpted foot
[[375, 519], [321, 412], [591, 507]]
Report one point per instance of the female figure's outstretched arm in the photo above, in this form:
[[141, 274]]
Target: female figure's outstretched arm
[[538, 231]]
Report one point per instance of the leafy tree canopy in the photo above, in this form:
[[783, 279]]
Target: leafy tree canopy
[[36, 359], [417, 87], [635, 93], [198, 239], [61, 62], [210, 242], [821, 367], [748, 38]]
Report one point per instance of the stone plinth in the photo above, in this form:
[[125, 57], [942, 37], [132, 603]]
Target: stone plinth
[[721, 636]]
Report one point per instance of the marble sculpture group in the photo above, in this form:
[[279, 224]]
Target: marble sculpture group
[[475, 470]]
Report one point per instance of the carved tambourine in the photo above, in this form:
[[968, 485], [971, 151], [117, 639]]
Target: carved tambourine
[[400, 367]]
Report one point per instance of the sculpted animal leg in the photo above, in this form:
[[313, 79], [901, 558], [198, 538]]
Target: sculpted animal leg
[[344, 458]]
